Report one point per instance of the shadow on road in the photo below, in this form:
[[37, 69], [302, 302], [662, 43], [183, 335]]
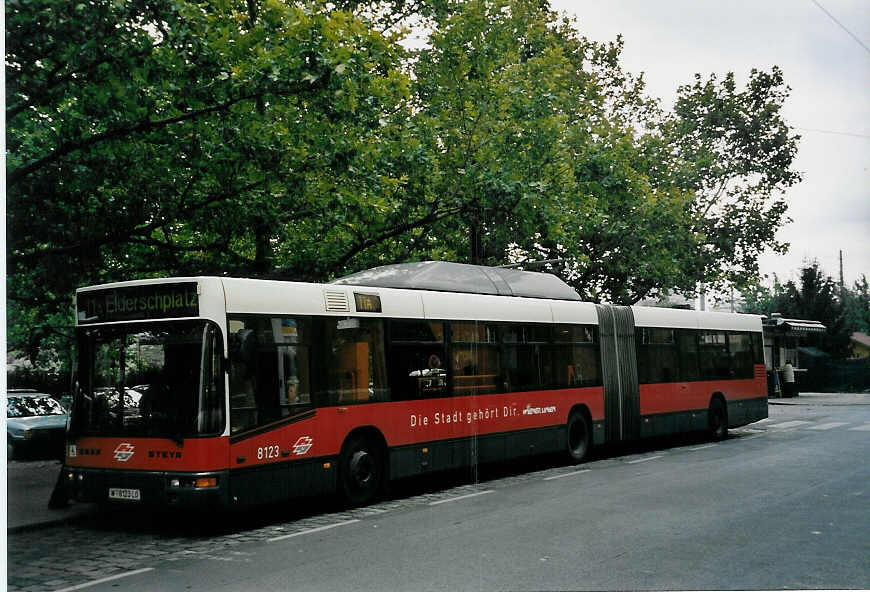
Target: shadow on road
[[194, 525]]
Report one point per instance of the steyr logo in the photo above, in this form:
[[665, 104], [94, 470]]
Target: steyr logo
[[124, 451], [303, 445]]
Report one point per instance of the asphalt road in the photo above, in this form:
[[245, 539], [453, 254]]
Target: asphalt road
[[780, 504]]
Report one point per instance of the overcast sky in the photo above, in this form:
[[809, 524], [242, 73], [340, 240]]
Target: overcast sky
[[827, 70]]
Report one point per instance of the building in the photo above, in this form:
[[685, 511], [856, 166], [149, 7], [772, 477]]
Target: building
[[783, 338], [860, 345]]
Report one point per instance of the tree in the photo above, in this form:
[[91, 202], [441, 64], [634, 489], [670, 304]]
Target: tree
[[733, 150], [161, 136], [272, 138], [664, 201], [489, 90], [856, 305]]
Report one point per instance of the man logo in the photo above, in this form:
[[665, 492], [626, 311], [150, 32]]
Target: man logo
[[124, 451], [303, 445]]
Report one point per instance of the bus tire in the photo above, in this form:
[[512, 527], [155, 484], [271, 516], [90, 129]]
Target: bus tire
[[717, 420], [579, 436], [361, 470]]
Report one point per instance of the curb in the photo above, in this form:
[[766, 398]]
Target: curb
[[817, 401], [49, 523], [818, 404], [36, 526]]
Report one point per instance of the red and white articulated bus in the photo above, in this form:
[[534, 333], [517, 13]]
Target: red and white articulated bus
[[234, 392]]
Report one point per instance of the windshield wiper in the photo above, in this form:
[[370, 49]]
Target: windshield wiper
[[178, 439], [175, 425]]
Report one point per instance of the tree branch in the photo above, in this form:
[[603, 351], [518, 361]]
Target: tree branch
[[145, 126], [364, 244], [122, 235]]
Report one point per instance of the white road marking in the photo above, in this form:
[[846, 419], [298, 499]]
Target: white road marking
[[312, 530], [566, 475], [640, 460], [108, 579], [461, 497], [863, 428], [789, 424], [827, 426], [704, 447]]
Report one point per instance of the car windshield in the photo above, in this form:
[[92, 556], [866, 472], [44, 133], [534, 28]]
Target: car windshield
[[155, 379], [32, 406]]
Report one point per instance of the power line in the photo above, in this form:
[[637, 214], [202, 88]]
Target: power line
[[852, 35], [821, 131]]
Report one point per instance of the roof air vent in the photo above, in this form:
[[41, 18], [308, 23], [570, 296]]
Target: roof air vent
[[336, 301]]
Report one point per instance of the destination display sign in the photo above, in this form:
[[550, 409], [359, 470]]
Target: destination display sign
[[153, 301]]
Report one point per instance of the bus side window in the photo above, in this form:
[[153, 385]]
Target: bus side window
[[573, 358], [269, 369], [740, 347], [642, 352], [663, 355], [715, 362], [474, 359], [757, 349], [243, 405], [521, 362], [352, 374], [352, 362], [688, 346], [417, 362]]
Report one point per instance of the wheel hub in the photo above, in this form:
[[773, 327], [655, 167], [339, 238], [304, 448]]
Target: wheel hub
[[361, 467]]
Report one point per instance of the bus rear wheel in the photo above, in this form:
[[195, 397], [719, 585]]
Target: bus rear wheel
[[361, 470], [717, 420], [579, 436]]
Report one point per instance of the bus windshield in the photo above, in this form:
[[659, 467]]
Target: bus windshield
[[151, 379]]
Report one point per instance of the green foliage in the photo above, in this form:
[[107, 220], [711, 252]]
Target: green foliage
[[856, 305], [733, 150], [491, 91], [168, 137], [302, 140]]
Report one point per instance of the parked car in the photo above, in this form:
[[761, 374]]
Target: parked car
[[34, 421]]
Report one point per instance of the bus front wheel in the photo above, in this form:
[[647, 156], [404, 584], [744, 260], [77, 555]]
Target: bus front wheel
[[579, 436], [361, 470]]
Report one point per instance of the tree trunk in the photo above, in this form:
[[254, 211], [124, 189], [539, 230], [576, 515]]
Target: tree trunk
[[263, 257]]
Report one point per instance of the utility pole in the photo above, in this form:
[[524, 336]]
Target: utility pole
[[842, 284]]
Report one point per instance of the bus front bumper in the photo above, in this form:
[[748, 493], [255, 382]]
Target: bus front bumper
[[161, 488]]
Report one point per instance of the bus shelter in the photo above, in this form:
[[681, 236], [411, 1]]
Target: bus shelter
[[783, 339]]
